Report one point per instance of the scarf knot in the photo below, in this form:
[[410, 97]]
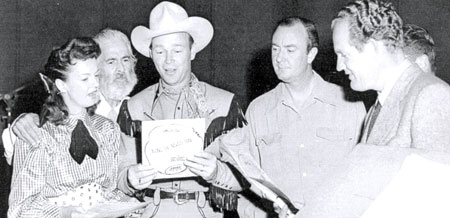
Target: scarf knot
[[82, 143], [194, 94]]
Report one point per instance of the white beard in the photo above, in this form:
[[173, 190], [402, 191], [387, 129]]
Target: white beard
[[117, 90]]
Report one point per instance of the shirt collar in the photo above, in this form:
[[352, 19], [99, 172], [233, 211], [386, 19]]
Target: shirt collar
[[391, 78], [163, 89], [320, 92], [171, 91], [72, 120], [103, 108]]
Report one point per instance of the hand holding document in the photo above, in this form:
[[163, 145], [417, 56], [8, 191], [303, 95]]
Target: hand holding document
[[166, 144], [258, 179], [280, 200], [203, 164]]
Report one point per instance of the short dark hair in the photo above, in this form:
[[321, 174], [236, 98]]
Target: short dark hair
[[372, 19], [57, 67], [418, 41], [311, 30]]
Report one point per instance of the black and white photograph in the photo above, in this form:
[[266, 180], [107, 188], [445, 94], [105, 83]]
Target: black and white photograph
[[311, 109]]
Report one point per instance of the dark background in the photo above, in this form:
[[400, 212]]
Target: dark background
[[237, 59]]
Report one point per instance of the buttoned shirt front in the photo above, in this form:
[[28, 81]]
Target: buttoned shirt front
[[294, 144], [169, 105]]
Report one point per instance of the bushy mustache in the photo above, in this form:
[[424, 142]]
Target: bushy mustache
[[121, 77]]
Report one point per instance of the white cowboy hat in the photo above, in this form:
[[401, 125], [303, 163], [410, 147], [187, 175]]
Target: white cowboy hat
[[166, 18]]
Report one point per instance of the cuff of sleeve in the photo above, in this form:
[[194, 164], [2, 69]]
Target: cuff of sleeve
[[51, 210], [122, 182], [8, 143], [219, 174], [225, 178]]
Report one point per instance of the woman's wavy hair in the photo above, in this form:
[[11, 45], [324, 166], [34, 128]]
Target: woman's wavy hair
[[57, 67]]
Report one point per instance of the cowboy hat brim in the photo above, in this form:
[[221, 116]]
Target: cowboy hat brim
[[200, 29]]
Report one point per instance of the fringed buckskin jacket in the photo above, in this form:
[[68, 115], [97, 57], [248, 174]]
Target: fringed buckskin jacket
[[221, 112]]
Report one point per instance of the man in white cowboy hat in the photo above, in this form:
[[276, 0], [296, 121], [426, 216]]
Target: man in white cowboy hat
[[172, 41]]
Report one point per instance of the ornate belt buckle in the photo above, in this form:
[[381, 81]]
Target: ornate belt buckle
[[177, 199]]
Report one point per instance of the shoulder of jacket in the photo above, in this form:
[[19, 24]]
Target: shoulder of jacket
[[216, 92], [144, 94]]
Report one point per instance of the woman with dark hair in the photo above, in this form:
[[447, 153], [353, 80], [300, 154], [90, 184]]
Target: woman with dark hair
[[74, 166]]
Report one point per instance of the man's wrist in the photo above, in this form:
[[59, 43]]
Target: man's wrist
[[214, 174], [131, 188]]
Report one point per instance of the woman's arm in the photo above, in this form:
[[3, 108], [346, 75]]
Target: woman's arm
[[29, 179]]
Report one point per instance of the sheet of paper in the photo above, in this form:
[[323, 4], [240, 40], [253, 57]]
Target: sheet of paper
[[250, 169], [167, 143], [420, 189], [114, 209]]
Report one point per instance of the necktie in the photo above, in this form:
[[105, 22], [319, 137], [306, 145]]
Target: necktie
[[373, 117], [82, 143]]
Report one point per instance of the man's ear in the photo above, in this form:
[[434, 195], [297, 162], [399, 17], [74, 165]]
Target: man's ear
[[312, 54], [61, 85], [424, 63], [376, 46]]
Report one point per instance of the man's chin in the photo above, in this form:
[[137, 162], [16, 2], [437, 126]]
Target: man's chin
[[91, 101], [118, 96]]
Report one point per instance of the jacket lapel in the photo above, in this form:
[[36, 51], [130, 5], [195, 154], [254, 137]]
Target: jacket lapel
[[388, 119], [140, 106]]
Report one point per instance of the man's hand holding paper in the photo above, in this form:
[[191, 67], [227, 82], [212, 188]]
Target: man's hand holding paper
[[282, 211], [167, 144], [203, 164], [141, 176], [236, 153]]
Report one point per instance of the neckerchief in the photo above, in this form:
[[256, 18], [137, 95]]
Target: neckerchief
[[82, 143], [194, 94]]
